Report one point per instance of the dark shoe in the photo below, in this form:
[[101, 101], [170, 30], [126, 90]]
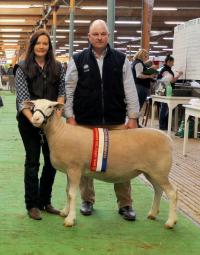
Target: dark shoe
[[50, 209], [86, 208], [127, 213], [34, 213]]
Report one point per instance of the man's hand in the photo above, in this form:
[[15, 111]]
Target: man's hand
[[71, 121], [132, 123]]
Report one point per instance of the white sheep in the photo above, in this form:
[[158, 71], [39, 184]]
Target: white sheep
[[131, 152]]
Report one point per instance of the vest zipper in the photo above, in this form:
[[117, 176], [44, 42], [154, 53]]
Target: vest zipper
[[102, 103]]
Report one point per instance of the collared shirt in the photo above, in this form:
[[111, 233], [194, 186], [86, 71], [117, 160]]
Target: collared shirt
[[22, 87], [131, 95]]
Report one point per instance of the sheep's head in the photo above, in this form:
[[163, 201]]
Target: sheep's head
[[42, 110]]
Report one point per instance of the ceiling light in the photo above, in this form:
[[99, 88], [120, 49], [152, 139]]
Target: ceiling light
[[59, 36], [160, 46], [80, 41], [168, 49], [152, 43], [64, 30], [168, 38], [165, 9], [134, 46], [174, 22], [14, 6], [128, 22], [11, 29], [10, 40], [79, 21], [10, 36], [154, 51], [10, 44], [12, 20], [93, 7], [128, 38]]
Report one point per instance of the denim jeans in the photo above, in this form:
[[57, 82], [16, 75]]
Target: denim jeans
[[37, 191]]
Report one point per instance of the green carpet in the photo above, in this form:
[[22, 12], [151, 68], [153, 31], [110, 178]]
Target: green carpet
[[104, 233]]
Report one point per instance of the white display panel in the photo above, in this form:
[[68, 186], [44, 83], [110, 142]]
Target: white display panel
[[186, 49]]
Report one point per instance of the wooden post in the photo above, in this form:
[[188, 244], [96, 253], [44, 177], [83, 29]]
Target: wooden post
[[147, 10]]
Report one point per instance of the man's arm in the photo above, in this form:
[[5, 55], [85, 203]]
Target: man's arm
[[70, 86], [131, 95]]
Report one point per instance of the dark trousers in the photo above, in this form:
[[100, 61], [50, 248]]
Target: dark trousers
[[142, 94], [163, 116], [37, 192]]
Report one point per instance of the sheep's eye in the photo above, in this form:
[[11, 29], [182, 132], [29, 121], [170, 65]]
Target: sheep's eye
[[50, 107]]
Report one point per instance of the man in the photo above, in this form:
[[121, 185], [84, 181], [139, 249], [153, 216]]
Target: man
[[100, 91]]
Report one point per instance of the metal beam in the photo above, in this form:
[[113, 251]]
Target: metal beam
[[111, 20], [71, 28]]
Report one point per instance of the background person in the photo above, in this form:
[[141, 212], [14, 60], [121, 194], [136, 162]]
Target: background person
[[142, 81], [166, 74], [38, 76], [100, 91]]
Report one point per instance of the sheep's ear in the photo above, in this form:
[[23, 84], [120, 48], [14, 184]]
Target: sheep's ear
[[58, 106], [29, 104]]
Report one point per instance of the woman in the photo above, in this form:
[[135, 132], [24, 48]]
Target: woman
[[166, 74], [142, 80], [38, 76]]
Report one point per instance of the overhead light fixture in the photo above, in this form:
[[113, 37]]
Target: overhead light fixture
[[75, 45], [154, 51], [81, 21], [128, 38], [80, 41], [58, 36], [165, 9], [14, 6], [168, 49], [174, 22], [10, 36], [160, 46], [134, 46], [93, 7], [10, 40], [127, 22], [10, 44], [168, 38], [11, 29], [152, 43], [12, 20], [64, 30]]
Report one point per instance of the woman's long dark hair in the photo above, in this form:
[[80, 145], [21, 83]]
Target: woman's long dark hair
[[30, 65], [168, 58]]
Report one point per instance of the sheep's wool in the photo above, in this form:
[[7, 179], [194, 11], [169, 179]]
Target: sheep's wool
[[100, 150]]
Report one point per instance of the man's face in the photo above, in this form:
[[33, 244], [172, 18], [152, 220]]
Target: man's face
[[98, 36]]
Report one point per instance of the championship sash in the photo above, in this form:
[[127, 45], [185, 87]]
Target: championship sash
[[100, 150]]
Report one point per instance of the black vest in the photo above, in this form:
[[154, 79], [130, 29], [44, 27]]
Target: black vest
[[168, 69], [99, 101], [42, 86], [138, 81]]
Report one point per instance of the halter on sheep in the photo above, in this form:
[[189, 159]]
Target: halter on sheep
[[131, 152]]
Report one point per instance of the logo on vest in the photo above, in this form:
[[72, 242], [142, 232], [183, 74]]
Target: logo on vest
[[86, 68]]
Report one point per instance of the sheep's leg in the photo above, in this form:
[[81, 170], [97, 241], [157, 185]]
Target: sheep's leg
[[156, 200], [65, 211], [74, 176], [172, 195]]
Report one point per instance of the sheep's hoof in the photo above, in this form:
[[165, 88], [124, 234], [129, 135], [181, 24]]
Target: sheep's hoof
[[63, 213], [169, 225], [151, 216], [69, 223]]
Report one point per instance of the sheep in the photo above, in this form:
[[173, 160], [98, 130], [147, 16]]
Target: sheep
[[131, 152]]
